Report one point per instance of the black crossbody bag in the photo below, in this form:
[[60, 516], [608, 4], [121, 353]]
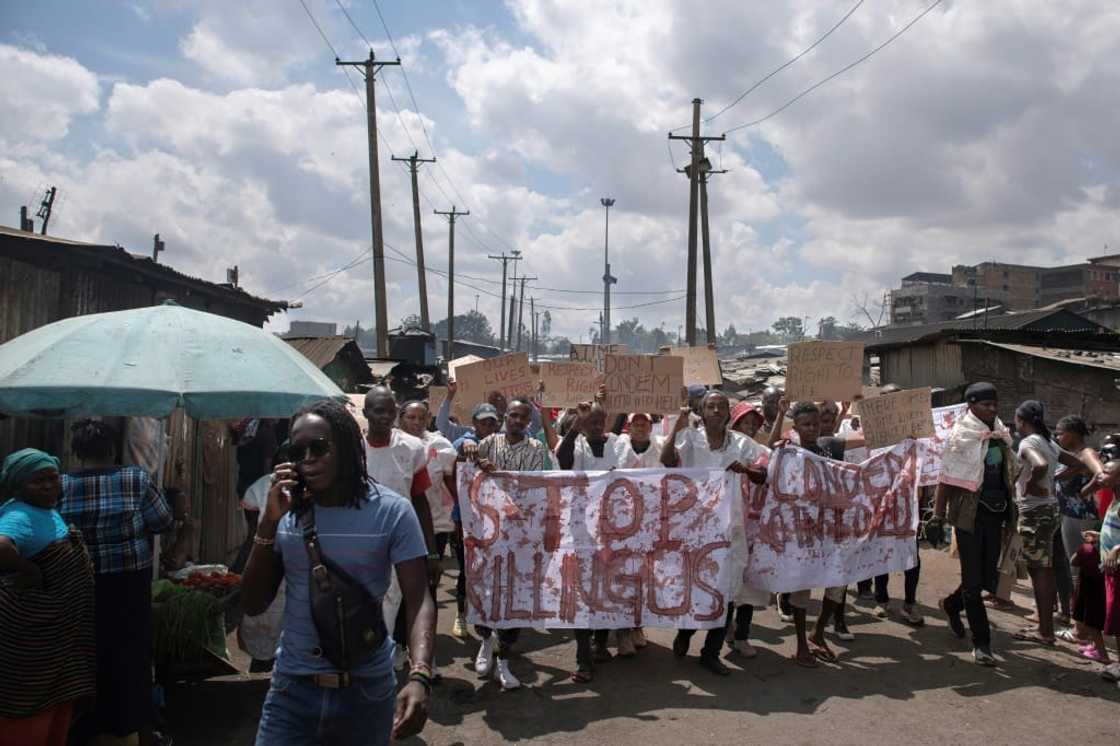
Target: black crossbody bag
[[347, 617]]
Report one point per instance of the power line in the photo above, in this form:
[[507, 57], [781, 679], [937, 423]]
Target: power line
[[352, 24], [838, 73], [781, 67]]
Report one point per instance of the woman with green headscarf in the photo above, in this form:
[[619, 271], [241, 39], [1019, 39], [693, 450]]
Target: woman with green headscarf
[[47, 653]]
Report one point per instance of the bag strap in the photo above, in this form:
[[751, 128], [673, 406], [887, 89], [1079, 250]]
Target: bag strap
[[314, 554]]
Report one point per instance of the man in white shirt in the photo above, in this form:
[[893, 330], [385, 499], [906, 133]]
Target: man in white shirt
[[712, 446], [400, 462]]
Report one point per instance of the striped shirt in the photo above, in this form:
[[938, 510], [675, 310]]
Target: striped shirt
[[115, 509], [528, 455]]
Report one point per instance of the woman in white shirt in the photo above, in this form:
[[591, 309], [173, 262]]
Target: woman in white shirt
[[639, 448], [587, 446]]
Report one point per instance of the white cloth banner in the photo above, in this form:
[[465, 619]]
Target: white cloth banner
[[671, 547], [821, 523], [613, 549]]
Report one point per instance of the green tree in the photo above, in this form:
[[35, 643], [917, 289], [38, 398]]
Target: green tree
[[471, 327], [828, 328], [790, 328]]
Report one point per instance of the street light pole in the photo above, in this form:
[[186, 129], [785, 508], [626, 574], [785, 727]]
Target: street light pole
[[608, 280]]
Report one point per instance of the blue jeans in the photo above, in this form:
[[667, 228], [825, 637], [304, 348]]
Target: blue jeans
[[297, 712]]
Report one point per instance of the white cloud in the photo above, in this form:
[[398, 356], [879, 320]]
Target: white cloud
[[42, 93], [986, 132]]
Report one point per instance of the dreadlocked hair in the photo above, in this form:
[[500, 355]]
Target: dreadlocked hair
[[350, 453], [93, 439]]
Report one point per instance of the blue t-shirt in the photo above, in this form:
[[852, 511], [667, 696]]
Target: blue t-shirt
[[30, 528], [365, 542]]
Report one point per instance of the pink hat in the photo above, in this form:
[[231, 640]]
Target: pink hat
[[742, 409]]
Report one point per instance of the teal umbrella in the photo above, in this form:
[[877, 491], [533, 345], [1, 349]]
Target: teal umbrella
[[146, 362]]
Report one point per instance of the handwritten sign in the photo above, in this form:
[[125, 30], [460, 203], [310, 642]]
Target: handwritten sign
[[819, 523], [568, 384], [436, 396], [643, 383], [892, 418], [598, 550], [700, 365], [825, 371], [596, 353], [508, 374]]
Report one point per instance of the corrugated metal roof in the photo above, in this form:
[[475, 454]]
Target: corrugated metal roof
[[119, 255], [320, 350], [1088, 358], [1049, 320]]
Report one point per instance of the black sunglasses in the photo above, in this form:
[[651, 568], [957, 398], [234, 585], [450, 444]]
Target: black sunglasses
[[314, 448]]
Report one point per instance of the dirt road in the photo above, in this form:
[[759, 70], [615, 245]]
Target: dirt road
[[894, 684]]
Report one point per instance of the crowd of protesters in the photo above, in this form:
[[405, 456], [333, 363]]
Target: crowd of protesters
[[372, 514]]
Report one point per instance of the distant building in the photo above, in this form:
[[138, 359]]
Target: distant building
[[311, 329], [1017, 284], [926, 298]]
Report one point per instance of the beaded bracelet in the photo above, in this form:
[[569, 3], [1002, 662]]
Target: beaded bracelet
[[423, 679]]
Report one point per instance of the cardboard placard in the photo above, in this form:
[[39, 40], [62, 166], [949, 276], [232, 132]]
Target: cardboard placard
[[643, 383], [700, 365], [595, 353], [509, 374], [436, 397], [569, 384], [464, 360], [892, 418], [825, 371]]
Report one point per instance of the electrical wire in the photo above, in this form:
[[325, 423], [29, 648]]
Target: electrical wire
[[781, 67], [352, 24], [836, 74]]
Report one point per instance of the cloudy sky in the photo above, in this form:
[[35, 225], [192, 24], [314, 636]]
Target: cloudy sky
[[987, 131]]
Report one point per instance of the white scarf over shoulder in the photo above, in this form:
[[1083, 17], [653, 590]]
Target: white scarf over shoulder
[[962, 461]]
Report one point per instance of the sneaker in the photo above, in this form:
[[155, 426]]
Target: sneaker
[[787, 618], [911, 616], [400, 658], [483, 662], [983, 656], [638, 636], [843, 633], [954, 617], [745, 649], [506, 679], [1091, 652], [1111, 672], [459, 628], [882, 610], [626, 647], [715, 665]]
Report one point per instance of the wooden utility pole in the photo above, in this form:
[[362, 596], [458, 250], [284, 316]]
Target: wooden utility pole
[[512, 303], [696, 143], [369, 69], [451, 215], [521, 308], [45, 209], [608, 278], [533, 315], [504, 260], [414, 162], [709, 290]]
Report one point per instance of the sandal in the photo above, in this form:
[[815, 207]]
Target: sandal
[[582, 675], [1070, 635], [1030, 634], [822, 652]]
